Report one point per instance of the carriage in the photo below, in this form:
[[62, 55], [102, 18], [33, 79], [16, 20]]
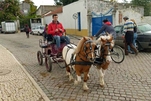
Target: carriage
[[48, 53]]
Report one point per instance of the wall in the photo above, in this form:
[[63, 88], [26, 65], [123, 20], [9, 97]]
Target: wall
[[71, 24], [24, 7], [66, 18], [146, 19], [127, 12]]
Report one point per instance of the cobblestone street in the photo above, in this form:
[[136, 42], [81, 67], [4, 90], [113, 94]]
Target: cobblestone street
[[128, 81]]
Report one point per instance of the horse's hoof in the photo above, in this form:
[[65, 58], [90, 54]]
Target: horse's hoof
[[101, 85], [71, 79], [85, 88], [75, 82]]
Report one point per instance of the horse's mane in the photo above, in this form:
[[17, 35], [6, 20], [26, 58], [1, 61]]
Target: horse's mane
[[106, 37], [80, 43]]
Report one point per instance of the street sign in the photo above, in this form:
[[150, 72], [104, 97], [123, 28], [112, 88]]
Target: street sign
[[75, 16]]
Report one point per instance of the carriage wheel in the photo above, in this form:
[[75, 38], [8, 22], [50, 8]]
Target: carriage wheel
[[117, 54], [40, 57], [48, 63]]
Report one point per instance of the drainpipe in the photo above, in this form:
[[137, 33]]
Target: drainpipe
[[89, 20], [114, 14]]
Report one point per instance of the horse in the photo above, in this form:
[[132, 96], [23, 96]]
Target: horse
[[80, 58], [103, 55]]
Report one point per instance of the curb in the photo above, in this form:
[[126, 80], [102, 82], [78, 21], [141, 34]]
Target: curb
[[31, 79]]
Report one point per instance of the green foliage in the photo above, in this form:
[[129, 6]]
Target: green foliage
[[64, 2], [9, 10], [145, 3]]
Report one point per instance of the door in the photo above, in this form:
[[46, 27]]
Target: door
[[119, 35]]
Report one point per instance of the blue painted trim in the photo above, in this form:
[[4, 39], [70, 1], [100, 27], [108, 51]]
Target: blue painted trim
[[79, 21], [100, 15]]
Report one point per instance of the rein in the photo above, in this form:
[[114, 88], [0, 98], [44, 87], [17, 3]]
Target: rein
[[102, 49]]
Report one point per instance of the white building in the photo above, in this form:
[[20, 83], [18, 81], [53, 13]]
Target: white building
[[84, 17]]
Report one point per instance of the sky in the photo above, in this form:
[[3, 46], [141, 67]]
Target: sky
[[51, 2], [42, 2]]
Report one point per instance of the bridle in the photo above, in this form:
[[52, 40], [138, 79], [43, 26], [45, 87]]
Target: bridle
[[107, 44], [85, 50]]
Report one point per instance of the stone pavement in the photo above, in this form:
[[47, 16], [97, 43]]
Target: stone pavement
[[15, 83], [128, 81]]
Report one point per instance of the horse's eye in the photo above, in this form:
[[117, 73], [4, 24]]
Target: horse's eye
[[85, 48]]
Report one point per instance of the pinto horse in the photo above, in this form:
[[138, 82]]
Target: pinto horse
[[103, 53], [81, 61]]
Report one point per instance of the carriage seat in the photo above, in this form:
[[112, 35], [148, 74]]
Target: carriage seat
[[44, 46], [50, 39]]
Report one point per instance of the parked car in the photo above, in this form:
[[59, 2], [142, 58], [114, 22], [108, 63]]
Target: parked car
[[144, 36], [37, 30], [22, 29]]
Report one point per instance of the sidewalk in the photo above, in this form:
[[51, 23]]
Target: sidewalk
[[15, 83]]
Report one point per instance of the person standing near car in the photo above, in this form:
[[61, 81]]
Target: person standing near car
[[56, 29], [134, 37], [27, 29], [129, 32]]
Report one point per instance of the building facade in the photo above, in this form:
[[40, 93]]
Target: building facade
[[84, 17], [25, 8]]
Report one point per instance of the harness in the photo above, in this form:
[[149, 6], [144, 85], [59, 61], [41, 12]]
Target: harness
[[101, 59], [82, 62]]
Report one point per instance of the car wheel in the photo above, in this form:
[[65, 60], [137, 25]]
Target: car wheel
[[138, 46]]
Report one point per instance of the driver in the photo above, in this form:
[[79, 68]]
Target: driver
[[56, 29]]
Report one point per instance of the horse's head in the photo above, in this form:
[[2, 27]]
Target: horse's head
[[106, 43], [86, 48]]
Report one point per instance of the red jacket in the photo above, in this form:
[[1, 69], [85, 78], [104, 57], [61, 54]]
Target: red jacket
[[53, 26]]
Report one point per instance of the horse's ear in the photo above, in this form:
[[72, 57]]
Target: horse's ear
[[92, 37], [102, 40], [107, 33], [84, 37]]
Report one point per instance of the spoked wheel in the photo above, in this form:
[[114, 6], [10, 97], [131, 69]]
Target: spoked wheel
[[117, 54], [40, 57], [48, 63]]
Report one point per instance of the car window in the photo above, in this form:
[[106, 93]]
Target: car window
[[42, 27], [117, 29], [144, 27]]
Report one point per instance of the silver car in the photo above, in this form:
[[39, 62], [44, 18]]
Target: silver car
[[144, 36], [37, 30]]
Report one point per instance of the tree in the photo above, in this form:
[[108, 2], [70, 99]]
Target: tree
[[64, 2], [9, 10], [145, 3]]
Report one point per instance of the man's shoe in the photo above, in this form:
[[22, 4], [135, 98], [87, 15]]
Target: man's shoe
[[126, 54]]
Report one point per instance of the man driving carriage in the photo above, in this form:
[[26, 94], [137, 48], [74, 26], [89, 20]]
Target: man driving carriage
[[56, 30]]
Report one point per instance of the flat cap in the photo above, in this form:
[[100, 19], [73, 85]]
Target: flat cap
[[125, 17]]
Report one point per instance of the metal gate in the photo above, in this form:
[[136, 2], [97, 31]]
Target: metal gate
[[97, 21]]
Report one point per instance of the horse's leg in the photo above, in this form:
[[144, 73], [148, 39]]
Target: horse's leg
[[69, 73], [101, 76], [88, 75], [78, 78], [85, 87]]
